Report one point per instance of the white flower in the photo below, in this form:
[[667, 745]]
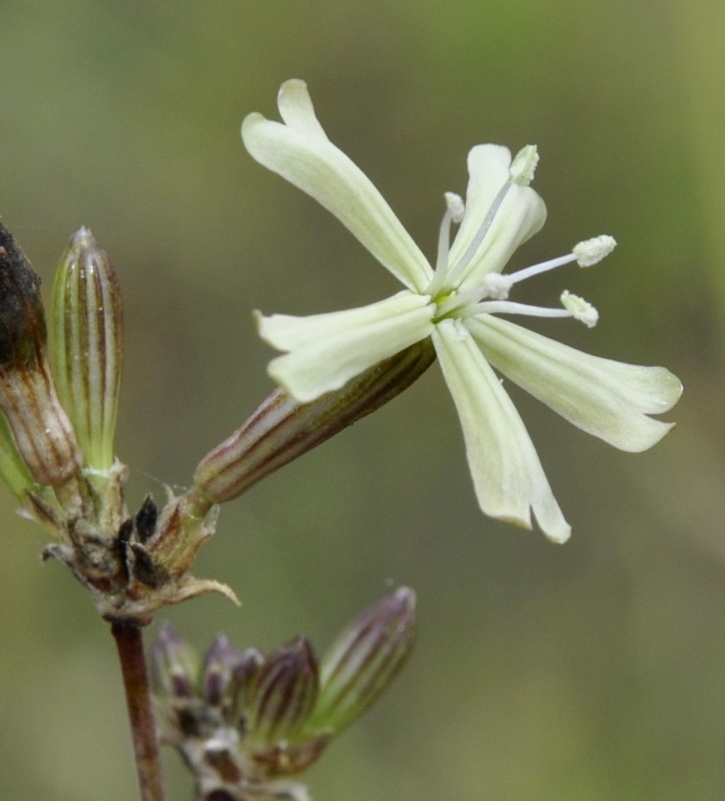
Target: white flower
[[457, 304]]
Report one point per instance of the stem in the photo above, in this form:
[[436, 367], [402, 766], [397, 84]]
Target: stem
[[129, 642]]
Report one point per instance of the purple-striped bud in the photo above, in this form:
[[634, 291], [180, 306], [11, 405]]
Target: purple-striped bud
[[281, 429], [220, 663], [175, 663], [87, 323], [242, 683], [363, 661], [40, 427], [284, 693]]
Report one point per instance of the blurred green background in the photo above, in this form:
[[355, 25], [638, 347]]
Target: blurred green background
[[542, 673]]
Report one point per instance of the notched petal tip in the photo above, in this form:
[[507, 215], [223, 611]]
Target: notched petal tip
[[296, 109], [291, 87]]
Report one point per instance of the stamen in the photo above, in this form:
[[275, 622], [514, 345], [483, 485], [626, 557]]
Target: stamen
[[496, 285], [544, 266], [455, 206], [524, 165], [454, 213], [592, 251], [579, 309], [508, 307], [456, 271]]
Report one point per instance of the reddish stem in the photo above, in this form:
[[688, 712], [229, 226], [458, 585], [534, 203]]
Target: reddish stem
[[129, 642]]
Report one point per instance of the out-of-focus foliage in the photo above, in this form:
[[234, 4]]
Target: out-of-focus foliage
[[590, 671]]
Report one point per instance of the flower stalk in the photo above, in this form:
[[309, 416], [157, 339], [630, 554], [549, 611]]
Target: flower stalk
[[129, 643]]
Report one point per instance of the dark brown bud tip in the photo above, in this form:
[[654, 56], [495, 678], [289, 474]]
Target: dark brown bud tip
[[23, 331]]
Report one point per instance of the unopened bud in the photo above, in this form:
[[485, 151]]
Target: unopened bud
[[281, 428], [363, 661], [176, 666], [220, 663], [87, 321], [243, 678], [284, 693], [42, 432]]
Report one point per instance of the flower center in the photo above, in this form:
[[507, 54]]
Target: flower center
[[491, 295]]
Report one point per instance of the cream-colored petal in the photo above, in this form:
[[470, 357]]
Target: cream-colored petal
[[507, 475], [327, 350], [488, 171], [608, 399], [521, 214], [296, 109], [302, 154]]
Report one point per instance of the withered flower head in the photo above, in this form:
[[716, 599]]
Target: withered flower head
[[42, 432]]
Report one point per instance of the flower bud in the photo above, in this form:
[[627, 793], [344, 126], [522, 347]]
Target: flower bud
[[282, 429], [363, 661], [87, 321], [42, 432], [220, 663], [176, 666], [284, 693], [242, 681]]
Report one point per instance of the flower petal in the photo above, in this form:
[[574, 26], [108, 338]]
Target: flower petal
[[521, 215], [327, 350], [302, 154], [608, 399], [507, 475]]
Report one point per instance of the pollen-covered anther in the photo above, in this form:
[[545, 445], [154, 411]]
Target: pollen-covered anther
[[592, 251], [497, 286], [524, 165], [456, 207], [579, 309]]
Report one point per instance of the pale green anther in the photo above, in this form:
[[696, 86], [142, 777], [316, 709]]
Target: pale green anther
[[87, 351], [524, 165], [455, 206], [592, 251], [580, 309]]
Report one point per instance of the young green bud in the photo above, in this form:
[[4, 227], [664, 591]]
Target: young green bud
[[284, 693], [87, 321], [42, 432], [282, 429], [176, 665], [363, 661]]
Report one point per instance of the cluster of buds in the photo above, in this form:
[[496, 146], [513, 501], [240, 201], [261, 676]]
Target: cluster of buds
[[58, 408], [58, 404], [245, 723]]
